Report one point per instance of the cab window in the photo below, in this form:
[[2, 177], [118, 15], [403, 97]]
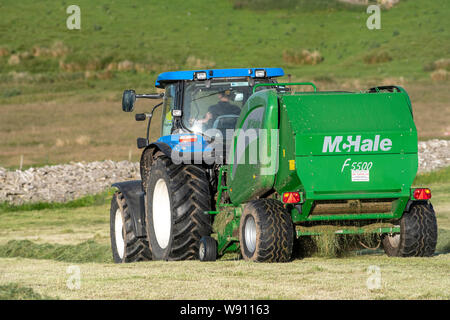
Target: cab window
[[168, 105]]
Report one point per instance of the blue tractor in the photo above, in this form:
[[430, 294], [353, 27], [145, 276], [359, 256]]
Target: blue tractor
[[162, 216]]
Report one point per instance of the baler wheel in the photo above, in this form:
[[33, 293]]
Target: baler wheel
[[418, 234], [126, 247], [177, 197], [266, 231]]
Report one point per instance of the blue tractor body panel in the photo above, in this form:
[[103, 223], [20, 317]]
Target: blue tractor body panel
[[198, 146], [215, 73]]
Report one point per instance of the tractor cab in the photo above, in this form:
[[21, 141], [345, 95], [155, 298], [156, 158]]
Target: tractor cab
[[200, 109], [208, 102]]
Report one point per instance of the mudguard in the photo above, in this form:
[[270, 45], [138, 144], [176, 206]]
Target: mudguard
[[134, 196], [162, 146]]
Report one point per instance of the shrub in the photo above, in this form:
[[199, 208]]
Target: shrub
[[377, 57], [439, 75], [302, 57]]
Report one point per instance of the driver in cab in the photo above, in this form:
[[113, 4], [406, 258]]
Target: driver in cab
[[223, 107]]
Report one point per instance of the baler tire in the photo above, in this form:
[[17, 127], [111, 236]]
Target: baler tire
[[180, 219], [132, 249], [418, 233], [273, 235]]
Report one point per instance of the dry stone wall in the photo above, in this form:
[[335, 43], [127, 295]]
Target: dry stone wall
[[66, 182]]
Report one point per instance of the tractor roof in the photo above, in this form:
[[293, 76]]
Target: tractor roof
[[215, 73]]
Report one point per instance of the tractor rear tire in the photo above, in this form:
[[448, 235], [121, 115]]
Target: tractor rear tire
[[418, 234], [126, 247], [177, 197], [266, 232]]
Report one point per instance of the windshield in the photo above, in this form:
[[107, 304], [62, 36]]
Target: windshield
[[216, 105], [168, 106]]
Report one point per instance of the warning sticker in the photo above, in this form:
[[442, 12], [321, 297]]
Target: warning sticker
[[360, 175]]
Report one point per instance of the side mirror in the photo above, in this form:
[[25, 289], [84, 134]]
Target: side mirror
[[128, 100], [142, 143]]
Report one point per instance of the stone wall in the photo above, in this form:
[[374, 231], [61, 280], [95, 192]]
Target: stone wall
[[63, 182], [66, 182]]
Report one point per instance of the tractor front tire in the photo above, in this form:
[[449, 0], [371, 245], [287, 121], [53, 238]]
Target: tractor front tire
[[266, 232], [126, 247], [418, 233], [177, 197]]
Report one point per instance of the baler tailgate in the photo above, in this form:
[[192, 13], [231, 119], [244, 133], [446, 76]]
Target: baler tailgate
[[353, 176], [352, 145]]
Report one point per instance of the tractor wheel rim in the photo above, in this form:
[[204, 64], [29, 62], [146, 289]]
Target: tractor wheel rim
[[394, 240], [162, 220], [118, 231], [250, 234]]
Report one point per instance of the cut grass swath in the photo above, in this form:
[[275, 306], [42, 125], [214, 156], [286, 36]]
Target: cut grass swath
[[88, 251]]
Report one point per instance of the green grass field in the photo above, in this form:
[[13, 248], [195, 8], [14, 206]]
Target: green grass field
[[60, 93], [54, 59], [414, 34], [37, 247]]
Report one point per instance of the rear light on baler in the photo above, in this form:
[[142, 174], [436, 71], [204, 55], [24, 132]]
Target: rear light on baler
[[291, 197], [422, 194], [188, 138]]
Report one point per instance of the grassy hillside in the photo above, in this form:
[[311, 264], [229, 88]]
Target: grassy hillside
[[60, 89], [178, 34]]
